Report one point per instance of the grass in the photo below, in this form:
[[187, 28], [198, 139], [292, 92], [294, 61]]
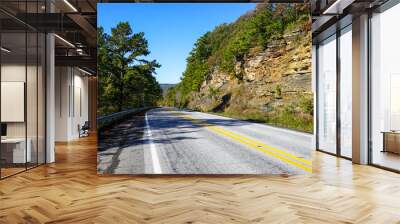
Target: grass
[[285, 119]]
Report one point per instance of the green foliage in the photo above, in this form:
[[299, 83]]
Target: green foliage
[[169, 98], [287, 118], [278, 92], [306, 104], [212, 92], [229, 44], [125, 78]]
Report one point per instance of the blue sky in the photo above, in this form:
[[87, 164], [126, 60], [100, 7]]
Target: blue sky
[[171, 29]]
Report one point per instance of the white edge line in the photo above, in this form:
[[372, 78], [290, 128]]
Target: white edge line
[[153, 151]]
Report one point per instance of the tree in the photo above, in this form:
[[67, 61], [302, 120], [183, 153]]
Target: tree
[[125, 75]]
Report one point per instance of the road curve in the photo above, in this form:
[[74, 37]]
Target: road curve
[[185, 142]]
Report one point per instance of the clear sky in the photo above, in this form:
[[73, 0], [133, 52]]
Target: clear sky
[[170, 28]]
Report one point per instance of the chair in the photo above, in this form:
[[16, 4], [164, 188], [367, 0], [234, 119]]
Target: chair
[[84, 130]]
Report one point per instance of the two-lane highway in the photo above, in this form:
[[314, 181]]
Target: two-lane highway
[[186, 142]]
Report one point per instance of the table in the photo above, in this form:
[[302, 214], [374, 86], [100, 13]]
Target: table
[[391, 141], [13, 150]]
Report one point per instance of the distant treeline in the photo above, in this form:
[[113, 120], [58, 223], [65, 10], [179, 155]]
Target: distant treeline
[[227, 44], [125, 78]]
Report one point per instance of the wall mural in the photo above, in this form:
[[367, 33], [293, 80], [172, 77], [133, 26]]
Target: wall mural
[[204, 88]]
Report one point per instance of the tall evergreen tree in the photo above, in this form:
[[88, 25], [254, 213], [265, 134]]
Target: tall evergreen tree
[[125, 77]]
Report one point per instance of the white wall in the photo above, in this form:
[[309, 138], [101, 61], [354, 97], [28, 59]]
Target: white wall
[[71, 94], [62, 82], [80, 109], [15, 73], [33, 126]]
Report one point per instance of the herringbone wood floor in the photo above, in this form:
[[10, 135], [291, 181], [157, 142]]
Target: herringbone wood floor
[[70, 191]]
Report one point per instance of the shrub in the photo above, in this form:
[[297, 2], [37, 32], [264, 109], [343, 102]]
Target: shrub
[[278, 92], [306, 105]]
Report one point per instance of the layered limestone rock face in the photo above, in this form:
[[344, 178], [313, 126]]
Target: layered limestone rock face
[[273, 79]]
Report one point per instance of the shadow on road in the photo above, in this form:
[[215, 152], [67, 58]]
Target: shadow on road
[[122, 135], [130, 135], [131, 132]]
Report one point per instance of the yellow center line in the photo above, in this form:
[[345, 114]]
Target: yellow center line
[[268, 152], [259, 144], [262, 145], [287, 157]]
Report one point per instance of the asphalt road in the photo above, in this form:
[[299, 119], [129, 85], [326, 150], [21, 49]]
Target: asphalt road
[[171, 141]]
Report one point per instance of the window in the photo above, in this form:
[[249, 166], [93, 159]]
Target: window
[[346, 92], [22, 92], [327, 95], [385, 89]]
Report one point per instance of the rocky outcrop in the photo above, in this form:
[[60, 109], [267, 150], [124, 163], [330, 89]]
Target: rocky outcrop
[[273, 79]]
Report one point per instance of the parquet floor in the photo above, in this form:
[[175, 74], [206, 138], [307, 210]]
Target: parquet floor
[[70, 191]]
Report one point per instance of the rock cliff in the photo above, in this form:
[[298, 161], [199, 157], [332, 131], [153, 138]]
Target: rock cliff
[[276, 80], [257, 68]]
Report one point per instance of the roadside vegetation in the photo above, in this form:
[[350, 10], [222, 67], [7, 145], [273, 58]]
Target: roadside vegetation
[[125, 78], [297, 116]]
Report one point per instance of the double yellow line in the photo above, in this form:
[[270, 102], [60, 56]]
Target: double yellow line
[[284, 156]]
